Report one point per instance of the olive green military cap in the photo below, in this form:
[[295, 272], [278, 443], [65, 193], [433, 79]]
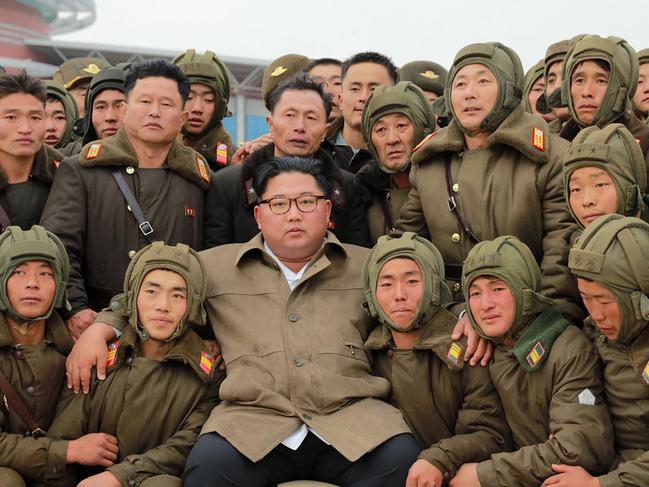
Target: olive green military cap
[[510, 260], [643, 56], [555, 53], [613, 252], [429, 76], [282, 68], [78, 70], [506, 66], [57, 90], [431, 265], [18, 246], [532, 75], [209, 70], [623, 77], [405, 98], [614, 150], [180, 259]]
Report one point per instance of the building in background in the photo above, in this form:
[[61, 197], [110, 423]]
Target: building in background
[[27, 27]]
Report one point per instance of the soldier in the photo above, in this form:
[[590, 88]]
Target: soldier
[[361, 73], [604, 172], [75, 75], [429, 76], [33, 345], [316, 411], [600, 75], [533, 88], [206, 107], [280, 70], [297, 121], [93, 207], [159, 364], [395, 119], [494, 170], [27, 166], [105, 102], [641, 96], [552, 73], [328, 71], [60, 115], [546, 372], [452, 409], [610, 263]]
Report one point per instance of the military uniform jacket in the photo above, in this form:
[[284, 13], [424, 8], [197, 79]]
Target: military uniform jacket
[[346, 158], [88, 212], [557, 414], [626, 377], [512, 187], [25, 209], [453, 410], [155, 409], [230, 216], [381, 197], [37, 374], [216, 147]]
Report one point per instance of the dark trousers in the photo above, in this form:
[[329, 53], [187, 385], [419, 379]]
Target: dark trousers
[[215, 462]]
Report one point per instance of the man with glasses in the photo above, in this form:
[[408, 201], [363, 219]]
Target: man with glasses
[[299, 399]]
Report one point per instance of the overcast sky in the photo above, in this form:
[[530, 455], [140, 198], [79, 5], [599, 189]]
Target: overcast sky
[[406, 30]]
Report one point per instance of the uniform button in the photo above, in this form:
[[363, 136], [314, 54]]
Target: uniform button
[[390, 353], [456, 188], [30, 390], [130, 170], [457, 287], [131, 254], [298, 362], [129, 360], [19, 353], [131, 483], [388, 196], [456, 237], [307, 417], [128, 207], [293, 317]]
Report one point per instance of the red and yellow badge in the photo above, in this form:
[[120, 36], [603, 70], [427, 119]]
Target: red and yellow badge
[[645, 373], [202, 169], [112, 352], [222, 154], [206, 363], [93, 151], [423, 142], [538, 139], [535, 355], [454, 353]]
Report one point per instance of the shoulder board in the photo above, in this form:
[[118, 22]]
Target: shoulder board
[[201, 165], [423, 142], [206, 363], [538, 139], [93, 151]]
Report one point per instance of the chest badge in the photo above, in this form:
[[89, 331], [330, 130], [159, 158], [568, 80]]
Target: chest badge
[[206, 363], [538, 139], [535, 355], [93, 151], [453, 355]]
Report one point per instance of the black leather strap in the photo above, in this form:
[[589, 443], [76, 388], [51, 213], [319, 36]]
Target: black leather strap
[[138, 214], [13, 401], [454, 208]]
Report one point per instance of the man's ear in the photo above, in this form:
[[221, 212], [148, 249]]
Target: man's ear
[[256, 211]]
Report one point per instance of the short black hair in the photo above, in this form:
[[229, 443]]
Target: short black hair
[[371, 57], [157, 67], [11, 84], [323, 61], [300, 82], [279, 165]]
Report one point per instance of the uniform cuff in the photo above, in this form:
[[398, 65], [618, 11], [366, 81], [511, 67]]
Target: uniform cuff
[[440, 460], [56, 455], [487, 474], [611, 479], [125, 473]]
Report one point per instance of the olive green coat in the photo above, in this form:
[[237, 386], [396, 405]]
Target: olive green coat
[[88, 212], [453, 410], [509, 188], [549, 422], [155, 409], [37, 374], [627, 395]]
